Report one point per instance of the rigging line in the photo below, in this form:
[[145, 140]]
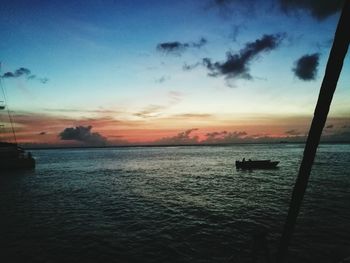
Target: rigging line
[[8, 109]]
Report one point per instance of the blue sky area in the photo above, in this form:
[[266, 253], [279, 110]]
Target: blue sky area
[[168, 67]]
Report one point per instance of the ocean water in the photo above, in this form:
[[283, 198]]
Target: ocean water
[[172, 204]]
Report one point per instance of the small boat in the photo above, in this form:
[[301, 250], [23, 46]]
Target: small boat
[[258, 164]]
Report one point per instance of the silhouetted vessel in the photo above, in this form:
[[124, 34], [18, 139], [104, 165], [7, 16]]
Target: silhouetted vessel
[[258, 164], [13, 157]]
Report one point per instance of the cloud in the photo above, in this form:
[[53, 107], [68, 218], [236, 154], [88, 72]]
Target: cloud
[[188, 67], [23, 72], [181, 138], [293, 132], [42, 133], [177, 48], [174, 97], [306, 67], [150, 111], [162, 79], [43, 80], [225, 137], [329, 126], [320, 9], [193, 116], [237, 65], [17, 73], [222, 2], [68, 110], [200, 43], [235, 32], [228, 7], [8, 75], [83, 134]]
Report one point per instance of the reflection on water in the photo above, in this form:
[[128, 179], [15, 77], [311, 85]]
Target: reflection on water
[[178, 204]]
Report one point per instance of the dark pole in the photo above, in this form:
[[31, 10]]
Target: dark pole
[[329, 84]]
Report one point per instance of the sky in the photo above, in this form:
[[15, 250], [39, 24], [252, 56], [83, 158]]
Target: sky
[[167, 72]]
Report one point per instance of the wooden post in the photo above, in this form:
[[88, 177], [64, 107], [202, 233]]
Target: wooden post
[[329, 84]]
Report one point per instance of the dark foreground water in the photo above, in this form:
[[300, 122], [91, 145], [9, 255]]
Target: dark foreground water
[[175, 204]]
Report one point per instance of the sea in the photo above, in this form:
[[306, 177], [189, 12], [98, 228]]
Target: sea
[[173, 204]]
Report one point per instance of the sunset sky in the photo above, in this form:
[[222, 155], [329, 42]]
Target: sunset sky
[[168, 72]]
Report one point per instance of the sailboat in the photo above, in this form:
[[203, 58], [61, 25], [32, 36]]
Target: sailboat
[[12, 157]]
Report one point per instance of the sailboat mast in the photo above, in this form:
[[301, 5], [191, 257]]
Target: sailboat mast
[[7, 108]]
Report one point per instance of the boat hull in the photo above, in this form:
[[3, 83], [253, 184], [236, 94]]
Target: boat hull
[[263, 164]]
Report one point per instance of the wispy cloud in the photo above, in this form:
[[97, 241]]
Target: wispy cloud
[[177, 48], [293, 132], [188, 67], [175, 97], [150, 111], [227, 8], [68, 110], [192, 116], [162, 79]]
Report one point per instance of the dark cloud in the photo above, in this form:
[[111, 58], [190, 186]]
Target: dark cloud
[[24, 72], [225, 137], [320, 9], [8, 75], [329, 126], [17, 73], [237, 65], [42, 133], [181, 138], [83, 134], [293, 132], [306, 66], [177, 48]]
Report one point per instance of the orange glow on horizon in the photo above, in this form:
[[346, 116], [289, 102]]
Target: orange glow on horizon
[[42, 129]]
